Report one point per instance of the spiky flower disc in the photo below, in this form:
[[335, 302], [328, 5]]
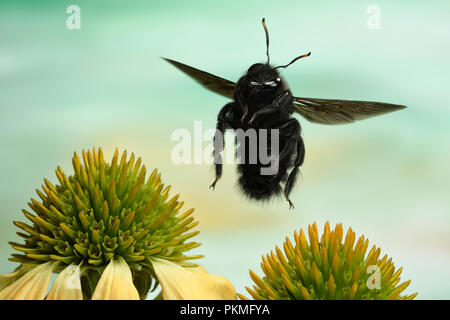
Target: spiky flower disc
[[327, 269], [105, 211]]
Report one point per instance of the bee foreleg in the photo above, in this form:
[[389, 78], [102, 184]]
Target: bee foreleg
[[219, 143], [286, 96], [244, 106]]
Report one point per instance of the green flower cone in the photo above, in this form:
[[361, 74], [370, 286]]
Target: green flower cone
[[103, 229]]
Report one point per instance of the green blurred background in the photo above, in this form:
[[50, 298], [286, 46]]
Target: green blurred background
[[104, 85]]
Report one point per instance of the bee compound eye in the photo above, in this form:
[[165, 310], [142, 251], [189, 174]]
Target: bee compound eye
[[271, 83]]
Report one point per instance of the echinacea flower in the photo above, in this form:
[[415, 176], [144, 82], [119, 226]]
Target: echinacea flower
[[109, 234], [327, 269]]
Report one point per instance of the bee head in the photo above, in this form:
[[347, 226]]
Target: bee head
[[263, 75]]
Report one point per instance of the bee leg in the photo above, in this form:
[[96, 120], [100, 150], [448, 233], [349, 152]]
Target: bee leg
[[291, 131], [293, 175], [273, 107], [292, 135], [219, 143], [244, 106], [245, 112]]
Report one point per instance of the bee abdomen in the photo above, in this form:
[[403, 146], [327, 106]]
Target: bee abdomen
[[260, 187]]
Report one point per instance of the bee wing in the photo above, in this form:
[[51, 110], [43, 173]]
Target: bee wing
[[329, 111], [209, 81]]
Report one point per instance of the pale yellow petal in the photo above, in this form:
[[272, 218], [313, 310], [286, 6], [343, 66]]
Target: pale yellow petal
[[7, 279], [67, 285], [222, 286], [182, 283], [116, 283], [32, 285]]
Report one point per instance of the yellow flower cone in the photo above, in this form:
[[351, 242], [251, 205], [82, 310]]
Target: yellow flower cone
[[31, 286], [180, 283], [330, 266], [116, 283], [67, 285]]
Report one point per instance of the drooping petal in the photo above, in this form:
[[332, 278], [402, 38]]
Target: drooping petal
[[222, 286], [32, 285], [7, 279], [67, 285], [182, 283], [116, 283]]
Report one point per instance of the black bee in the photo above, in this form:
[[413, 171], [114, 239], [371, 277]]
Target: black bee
[[263, 100]]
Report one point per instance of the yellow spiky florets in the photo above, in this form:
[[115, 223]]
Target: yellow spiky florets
[[104, 212], [327, 269]]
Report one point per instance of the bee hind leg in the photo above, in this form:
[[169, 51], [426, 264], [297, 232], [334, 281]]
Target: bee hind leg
[[291, 131], [294, 173]]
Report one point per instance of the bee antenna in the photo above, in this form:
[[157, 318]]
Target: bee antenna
[[299, 57], [267, 39]]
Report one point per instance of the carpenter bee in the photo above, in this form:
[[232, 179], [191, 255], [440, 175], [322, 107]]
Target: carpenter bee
[[262, 100]]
